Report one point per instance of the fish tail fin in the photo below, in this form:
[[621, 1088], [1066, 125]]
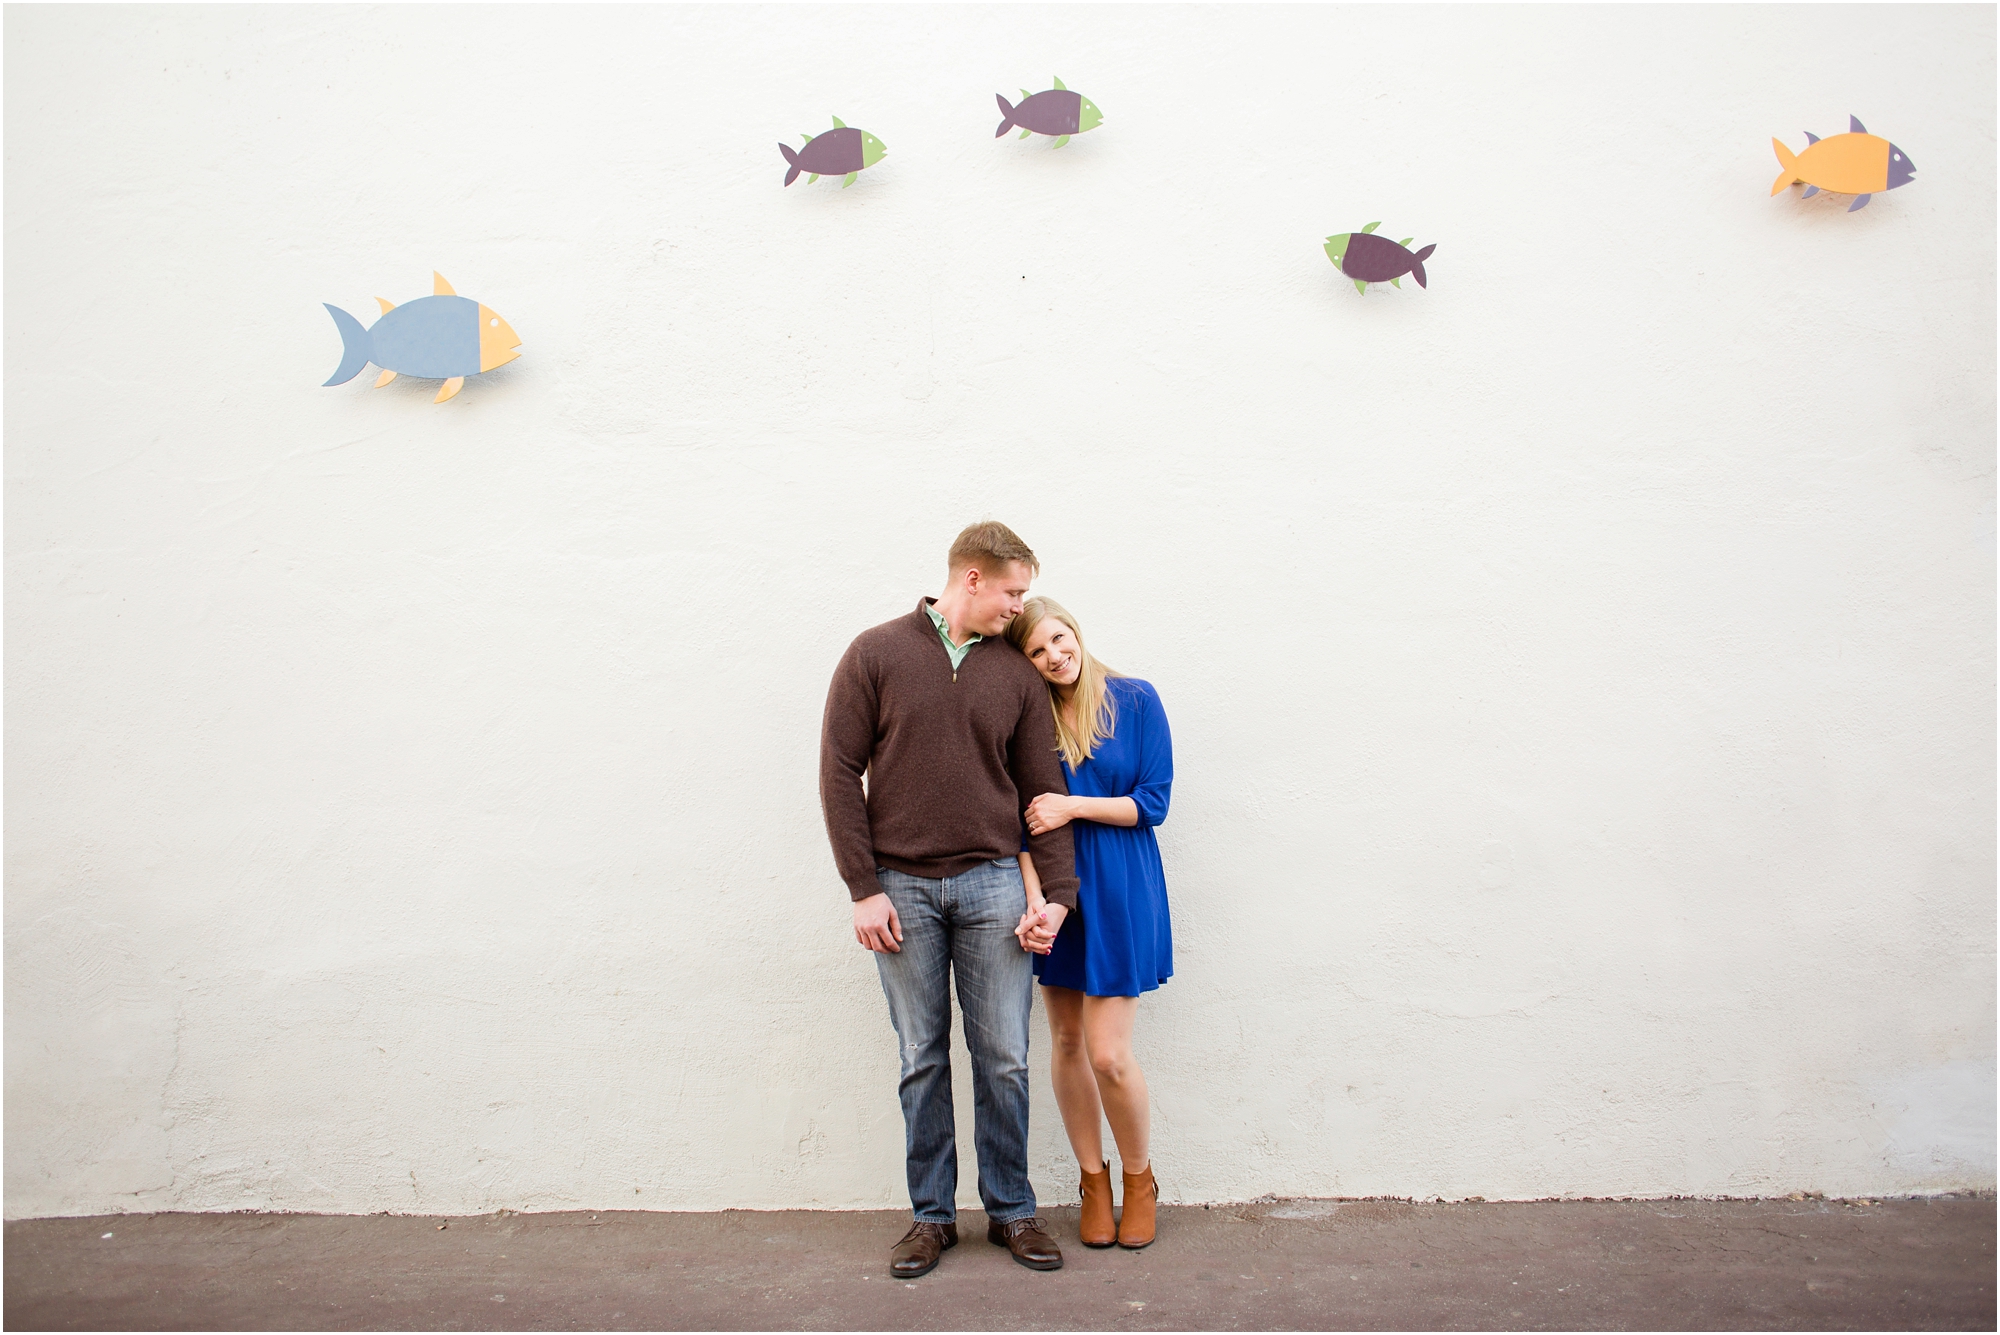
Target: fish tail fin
[[793, 160], [1417, 269], [356, 346], [1787, 160], [1006, 116]]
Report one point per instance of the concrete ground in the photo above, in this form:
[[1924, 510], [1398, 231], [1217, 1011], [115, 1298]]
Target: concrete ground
[[1773, 1264]]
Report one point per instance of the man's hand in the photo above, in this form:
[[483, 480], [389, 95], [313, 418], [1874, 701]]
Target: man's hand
[[1050, 811], [876, 925], [1039, 927]]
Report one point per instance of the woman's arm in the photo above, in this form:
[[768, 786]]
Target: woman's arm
[[1032, 879], [1156, 761], [1052, 811]]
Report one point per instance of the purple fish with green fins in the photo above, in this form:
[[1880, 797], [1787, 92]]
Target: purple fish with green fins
[[841, 151], [1057, 112], [1366, 258]]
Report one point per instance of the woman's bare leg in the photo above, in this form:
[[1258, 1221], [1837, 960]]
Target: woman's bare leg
[[1075, 1082], [1120, 1084]]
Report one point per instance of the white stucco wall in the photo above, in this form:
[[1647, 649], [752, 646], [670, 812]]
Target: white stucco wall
[[1581, 671]]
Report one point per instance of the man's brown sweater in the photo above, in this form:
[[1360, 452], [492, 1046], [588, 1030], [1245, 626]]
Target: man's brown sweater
[[952, 759]]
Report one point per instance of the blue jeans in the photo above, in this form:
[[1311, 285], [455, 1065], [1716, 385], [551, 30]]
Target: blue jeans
[[963, 925]]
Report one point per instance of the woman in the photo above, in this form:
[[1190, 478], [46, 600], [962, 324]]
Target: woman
[[1094, 963]]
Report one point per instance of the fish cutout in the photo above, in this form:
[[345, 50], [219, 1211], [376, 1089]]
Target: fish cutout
[[1856, 163], [1366, 258], [440, 337], [841, 151], [1057, 112]]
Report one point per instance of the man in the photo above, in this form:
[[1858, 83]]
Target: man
[[952, 727]]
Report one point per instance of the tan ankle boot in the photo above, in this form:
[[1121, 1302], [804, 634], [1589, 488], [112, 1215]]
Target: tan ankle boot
[[1096, 1226], [1142, 1199]]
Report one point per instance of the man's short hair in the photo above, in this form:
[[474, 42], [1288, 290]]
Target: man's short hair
[[991, 546]]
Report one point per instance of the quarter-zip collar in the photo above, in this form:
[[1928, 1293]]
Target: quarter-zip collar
[[954, 652]]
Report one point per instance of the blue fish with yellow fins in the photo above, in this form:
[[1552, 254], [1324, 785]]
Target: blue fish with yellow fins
[[440, 337]]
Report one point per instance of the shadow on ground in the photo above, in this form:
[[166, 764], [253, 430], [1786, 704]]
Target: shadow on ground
[[1611, 1265]]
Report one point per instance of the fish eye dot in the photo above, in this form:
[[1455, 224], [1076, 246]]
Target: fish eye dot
[[494, 322]]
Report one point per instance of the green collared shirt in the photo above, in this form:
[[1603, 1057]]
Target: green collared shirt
[[957, 651]]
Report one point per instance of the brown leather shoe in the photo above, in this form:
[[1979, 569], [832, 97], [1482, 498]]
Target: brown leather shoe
[[1097, 1228], [918, 1252], [1030, 1245], [1142, 1199]]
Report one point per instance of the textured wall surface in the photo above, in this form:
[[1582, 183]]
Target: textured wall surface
[[1582, 671]]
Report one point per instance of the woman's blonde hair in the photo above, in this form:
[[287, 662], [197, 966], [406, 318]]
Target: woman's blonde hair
[[1093, 702]]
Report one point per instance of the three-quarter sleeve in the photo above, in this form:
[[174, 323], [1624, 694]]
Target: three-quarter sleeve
[[1156, 758]]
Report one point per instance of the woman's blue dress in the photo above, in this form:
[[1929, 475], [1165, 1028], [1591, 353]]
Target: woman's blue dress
[[1119, 942]]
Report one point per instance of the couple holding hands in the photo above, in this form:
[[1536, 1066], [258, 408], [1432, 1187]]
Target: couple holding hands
[[981, 723]]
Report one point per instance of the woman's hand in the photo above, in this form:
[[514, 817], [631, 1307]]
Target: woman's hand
[[1050, 811], [1029, 920], [1039, 925], [1040, 937]]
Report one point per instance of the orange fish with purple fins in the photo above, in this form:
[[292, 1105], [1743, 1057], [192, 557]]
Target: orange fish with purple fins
[[1856, 163]]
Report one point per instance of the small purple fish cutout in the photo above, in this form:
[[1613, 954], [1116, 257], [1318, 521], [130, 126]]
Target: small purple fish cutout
[[841, 151], [1377, 259], [1056, 111], [1366, 258]]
